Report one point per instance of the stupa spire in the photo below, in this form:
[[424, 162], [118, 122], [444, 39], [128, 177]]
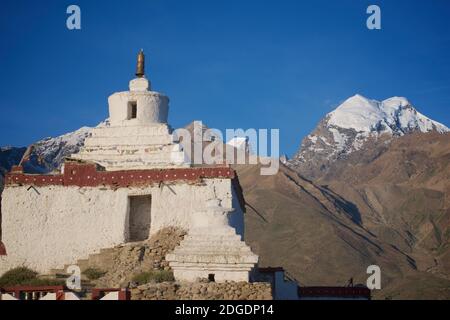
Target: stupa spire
[[140, 67]]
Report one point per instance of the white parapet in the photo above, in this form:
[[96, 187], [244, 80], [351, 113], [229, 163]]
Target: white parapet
[[212, 249]]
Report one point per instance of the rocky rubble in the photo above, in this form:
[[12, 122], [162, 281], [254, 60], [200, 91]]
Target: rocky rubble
[[127, 260], [203, 290], [122, 263]]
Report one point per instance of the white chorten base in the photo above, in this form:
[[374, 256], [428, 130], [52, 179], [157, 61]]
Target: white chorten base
[[132, 147], [212, 249]]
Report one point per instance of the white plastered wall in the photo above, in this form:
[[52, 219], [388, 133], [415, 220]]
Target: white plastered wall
[[236, 218], [152, 107], [51, 226]]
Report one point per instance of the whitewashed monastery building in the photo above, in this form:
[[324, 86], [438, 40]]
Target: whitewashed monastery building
[[130, 180]]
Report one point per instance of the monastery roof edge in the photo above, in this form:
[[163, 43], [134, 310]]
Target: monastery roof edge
[[88, 174]]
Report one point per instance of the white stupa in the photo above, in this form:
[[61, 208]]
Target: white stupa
[[212, 248], [128, 182], [137, 136]]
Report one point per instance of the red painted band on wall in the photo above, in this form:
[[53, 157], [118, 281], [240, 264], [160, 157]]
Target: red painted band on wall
[[88, 175]]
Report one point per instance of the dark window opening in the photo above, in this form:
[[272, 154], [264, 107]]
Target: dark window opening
[[211, 277], [132, 110], [139, 217]]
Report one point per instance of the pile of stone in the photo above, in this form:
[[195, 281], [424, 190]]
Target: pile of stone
[[130, 259], [203, 290]]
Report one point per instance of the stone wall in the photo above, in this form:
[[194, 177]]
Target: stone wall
[[203, 290], [46, 227]]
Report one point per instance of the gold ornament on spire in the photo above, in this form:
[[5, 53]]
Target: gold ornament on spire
[[140, 67]]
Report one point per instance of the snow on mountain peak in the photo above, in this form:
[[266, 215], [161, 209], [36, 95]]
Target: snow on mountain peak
[[50, 152], [395, 115], [349, 127], [396, 102], [357, 113]]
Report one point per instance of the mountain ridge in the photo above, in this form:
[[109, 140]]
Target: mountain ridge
[[385, 203], [357, 122]]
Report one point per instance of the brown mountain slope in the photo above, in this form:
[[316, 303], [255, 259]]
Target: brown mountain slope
[[387, 204], [312, 232], [414, 159], [403, 197]]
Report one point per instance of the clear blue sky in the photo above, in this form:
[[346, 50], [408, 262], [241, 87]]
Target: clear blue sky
[[232, 64]]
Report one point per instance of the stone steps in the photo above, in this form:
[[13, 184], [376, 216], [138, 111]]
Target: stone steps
[[220, 259], [205, 249], [147, 155], [123, 261], [101, 260], [128, 131], [216, 244], [132, 141], [211, 239], [134, 145], [100, 154]]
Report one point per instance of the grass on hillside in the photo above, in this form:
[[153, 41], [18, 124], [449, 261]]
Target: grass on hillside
[[153, 276], [93, 273], [22, 276]]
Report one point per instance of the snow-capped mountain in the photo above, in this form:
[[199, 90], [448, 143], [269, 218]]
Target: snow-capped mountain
[[394, 115], [343, 131], [357, 121], [47, 154]]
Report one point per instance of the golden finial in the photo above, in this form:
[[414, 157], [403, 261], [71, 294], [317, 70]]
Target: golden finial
[[140, 68]]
